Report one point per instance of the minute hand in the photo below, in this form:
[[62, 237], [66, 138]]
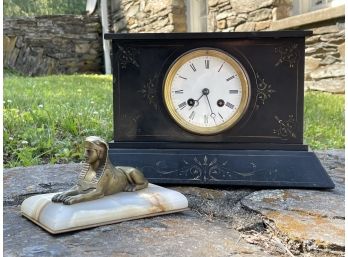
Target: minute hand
[[212, 114]]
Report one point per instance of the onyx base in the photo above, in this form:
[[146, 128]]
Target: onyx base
[[257, 168], [58, 218]]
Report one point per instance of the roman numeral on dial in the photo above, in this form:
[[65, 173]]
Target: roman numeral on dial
[[233, 91], [182, 105], [232, 77], [221, 66], [206, 119], [179, 91], [193, 67], [229, 105], [206, 64], [192, 115]]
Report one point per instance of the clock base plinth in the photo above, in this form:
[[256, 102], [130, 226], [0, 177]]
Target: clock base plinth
[[258, 168]]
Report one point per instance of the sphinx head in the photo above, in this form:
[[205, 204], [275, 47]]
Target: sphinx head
[[95, 149]]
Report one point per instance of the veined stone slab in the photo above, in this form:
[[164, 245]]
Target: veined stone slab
[[303, 215], [58, 218]]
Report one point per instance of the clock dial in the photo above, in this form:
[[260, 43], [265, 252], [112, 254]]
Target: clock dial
[[206, 91]]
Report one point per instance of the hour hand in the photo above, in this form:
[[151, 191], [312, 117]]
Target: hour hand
[[194, 103]]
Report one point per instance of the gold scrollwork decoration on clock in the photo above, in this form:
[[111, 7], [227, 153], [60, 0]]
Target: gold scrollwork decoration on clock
[[128, 55], [206, 168], [286, 128], [149, 91], [264, 90], [288, 54]]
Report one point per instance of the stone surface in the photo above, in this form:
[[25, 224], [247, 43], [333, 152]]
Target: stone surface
[[234, 21], [39, 180], [341, 50], [259, 11], [58, 218], [309, 215], [324, 67], [262, 25], [315, 219], [221, 16], [329, 59], [336, 86], [182, 234], [53, 44], [224, 221], [260, 15], [317, 18], [281, 11], [329, 71], [148, 16], [248, 26], [312, 39], [221, 24], [326, 29], [311, 64], [249, 5]]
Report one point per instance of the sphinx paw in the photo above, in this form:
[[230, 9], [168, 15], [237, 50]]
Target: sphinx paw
[[130, 188], [57, 198], [70, 200]]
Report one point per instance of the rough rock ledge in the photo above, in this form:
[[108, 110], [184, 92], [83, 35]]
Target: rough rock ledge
[[222, 221]]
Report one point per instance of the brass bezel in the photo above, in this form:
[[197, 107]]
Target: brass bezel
[[245, 83]]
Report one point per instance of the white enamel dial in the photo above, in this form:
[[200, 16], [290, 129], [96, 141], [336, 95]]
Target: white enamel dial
[[206, 91]]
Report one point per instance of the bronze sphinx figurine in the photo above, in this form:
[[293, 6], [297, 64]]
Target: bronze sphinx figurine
[[99, 177]]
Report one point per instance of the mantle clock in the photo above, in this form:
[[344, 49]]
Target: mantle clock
[[213, 109]]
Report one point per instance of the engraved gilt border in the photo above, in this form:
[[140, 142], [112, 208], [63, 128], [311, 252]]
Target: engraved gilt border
[[286, 128], [204, 168], [128, 55], [288, 54], [149, 91], [264, 91]]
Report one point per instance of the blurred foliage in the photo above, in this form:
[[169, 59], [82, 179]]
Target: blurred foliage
[[324, 120], [29, 8], [47, 118]]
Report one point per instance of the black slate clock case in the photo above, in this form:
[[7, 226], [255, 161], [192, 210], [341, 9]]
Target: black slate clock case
[[265, 147]]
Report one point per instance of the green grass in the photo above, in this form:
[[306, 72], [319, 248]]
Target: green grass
[[47, 118], [324, 120]]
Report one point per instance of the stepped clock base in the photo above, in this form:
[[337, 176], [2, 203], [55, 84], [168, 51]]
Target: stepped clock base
[[259, 168]]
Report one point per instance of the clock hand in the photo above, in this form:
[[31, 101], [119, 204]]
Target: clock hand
[[199, 97], [205, 92], [196, 102], [212, 114]]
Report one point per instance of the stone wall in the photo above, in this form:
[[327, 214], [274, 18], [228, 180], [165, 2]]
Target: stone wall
[[53, 44], [148, 16], [69, 44], [325, 56], [324, 50], [247, 15]]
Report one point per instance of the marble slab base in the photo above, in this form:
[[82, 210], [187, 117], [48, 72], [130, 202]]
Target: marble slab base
[[59, 218]]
